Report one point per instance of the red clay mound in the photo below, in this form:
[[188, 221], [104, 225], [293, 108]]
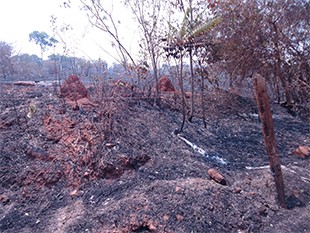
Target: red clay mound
[[165, 85], [73, 89]]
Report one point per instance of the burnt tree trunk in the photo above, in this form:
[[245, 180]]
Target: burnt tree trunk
[[278, 70], [190, 118], [263, 103], [182, 95], [202, 74]]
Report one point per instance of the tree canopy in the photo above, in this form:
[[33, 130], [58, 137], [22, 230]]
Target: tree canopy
[[43, 40]]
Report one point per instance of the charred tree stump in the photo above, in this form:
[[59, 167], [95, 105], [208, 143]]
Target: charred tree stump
[[263, 103]]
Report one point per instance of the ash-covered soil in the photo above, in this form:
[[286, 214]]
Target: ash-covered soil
[[115, 165]]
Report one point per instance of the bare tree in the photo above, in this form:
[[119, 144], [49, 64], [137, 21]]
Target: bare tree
[[103, 19], [194, 29], [191, 35], [149, 14]]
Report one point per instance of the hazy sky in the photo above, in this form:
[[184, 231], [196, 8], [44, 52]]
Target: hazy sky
[[18, 18]]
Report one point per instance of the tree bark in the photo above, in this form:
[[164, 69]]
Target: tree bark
[[182, 94], [265, 114], [155, 69], [202, 74], [278, 70], [192, 85], [191, 65]]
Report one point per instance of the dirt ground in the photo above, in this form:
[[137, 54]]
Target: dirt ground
[[117, 166]]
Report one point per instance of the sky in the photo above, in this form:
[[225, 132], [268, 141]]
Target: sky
[[18, 18]]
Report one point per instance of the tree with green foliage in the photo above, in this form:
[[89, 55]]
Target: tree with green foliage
[[43, 40], [5, 59]]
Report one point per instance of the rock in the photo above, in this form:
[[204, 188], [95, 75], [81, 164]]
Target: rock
[[302, 152], [73, 89], [165, 85], [216, 176]]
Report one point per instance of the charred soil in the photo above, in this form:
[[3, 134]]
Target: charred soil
[[116, 166]]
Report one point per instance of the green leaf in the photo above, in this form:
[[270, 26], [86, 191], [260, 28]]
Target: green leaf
[[205, 27]]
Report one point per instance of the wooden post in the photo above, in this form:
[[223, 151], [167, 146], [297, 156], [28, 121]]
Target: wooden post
[[263, 103]]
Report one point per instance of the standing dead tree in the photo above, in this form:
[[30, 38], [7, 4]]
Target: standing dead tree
[[265, 114], [150, 16], [191, 35], [103, 19]]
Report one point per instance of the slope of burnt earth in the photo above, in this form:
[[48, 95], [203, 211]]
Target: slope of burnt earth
[[115, 165]]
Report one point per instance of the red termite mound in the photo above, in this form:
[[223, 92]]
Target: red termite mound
[[165, 85], [73, 89]]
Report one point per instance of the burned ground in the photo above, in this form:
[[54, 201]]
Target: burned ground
[[64, 169]]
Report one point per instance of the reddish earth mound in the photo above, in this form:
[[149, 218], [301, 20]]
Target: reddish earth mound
[[73, 89], [165, 85]]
